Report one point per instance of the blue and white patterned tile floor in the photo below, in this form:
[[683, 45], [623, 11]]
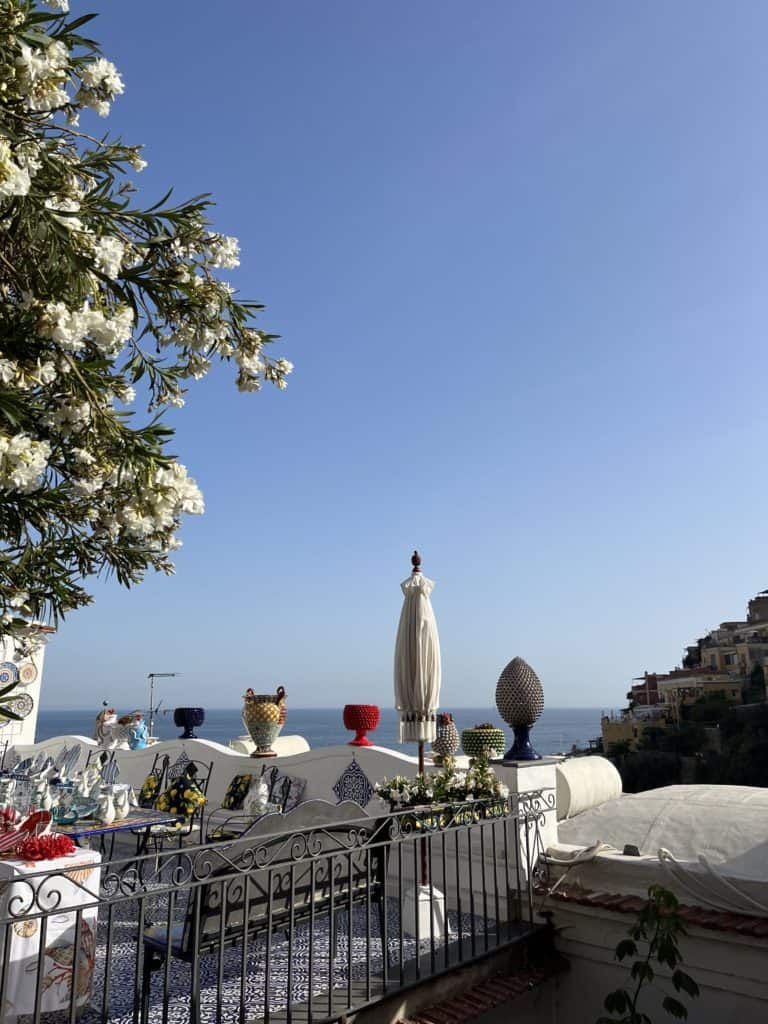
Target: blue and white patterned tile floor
[[224, 1006]]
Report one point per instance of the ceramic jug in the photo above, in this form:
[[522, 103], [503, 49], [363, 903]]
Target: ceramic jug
[[122, 804], [106, 811]]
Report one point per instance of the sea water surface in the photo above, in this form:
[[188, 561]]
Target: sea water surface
[[557, 730]]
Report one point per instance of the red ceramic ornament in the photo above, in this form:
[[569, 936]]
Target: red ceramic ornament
[[362, 718]]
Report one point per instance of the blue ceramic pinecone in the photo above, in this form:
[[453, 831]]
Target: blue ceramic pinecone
[[519, 694]]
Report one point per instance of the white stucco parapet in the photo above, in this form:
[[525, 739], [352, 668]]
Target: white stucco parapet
[[528, 777]]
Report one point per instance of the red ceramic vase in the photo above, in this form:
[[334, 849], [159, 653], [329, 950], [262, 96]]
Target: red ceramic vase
[[362, 718]]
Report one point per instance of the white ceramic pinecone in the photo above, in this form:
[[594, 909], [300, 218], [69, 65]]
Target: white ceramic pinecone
[[446, 742], [519, 694]]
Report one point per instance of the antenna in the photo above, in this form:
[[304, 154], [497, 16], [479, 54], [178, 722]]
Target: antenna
[[152, 709]]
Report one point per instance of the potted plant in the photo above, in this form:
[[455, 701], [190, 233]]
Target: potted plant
[[483, 740]]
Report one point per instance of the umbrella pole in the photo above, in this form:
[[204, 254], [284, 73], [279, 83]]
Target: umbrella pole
[[423, 841]]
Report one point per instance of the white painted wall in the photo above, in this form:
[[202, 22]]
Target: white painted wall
[[729, 970]]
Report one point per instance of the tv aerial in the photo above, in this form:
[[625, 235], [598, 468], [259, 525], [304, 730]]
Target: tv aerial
[[153, 708]]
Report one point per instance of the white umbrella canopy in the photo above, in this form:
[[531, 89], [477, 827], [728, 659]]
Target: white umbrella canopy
[[417, 660]]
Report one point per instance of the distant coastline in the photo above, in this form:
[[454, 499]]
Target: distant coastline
[[558, 730]]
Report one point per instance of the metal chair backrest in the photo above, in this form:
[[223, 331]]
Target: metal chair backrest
[[111, 771], [69, 763], [200, 773], [158, 770]]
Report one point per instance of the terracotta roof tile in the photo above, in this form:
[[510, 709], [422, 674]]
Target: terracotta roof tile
[[702, 917], [486, 995]]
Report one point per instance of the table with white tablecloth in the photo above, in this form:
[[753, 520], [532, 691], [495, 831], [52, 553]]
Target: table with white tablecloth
[[41, 898]]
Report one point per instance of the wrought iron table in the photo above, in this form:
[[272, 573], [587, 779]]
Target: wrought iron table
[[139, 821]]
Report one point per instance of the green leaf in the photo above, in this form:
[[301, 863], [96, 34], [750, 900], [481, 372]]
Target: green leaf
[[642, 971], [675, 1008], [617, 1002], [77, 23], [684, 981], [626, 948], [8, 689]]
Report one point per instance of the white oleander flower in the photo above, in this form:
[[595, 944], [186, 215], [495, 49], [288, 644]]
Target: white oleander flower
[[83, 457], [46, 372], [72, 416], [43, 75], [225, 251], [109, 252], [102, 73], [8, 370], [65, 205], [86, 487], [14, 179], [22, 462]]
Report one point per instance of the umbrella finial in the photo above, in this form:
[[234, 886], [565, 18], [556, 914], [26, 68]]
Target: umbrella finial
[[416, 562]]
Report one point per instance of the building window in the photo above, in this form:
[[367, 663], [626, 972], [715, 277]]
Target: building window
[[730, 659]]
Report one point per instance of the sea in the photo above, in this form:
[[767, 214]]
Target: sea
[[557, 731]]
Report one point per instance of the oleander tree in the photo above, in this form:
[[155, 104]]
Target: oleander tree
[[107, 310]]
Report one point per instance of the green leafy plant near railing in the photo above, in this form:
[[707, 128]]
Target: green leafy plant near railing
[[653, 940]]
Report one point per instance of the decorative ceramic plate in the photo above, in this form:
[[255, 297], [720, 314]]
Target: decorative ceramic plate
[[21, 705], [27, 673], [85, 811], [8, 673]]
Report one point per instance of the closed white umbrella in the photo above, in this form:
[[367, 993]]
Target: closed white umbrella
[[417, 692], [417, 661]]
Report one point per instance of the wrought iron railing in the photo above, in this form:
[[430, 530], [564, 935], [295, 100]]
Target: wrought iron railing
[[308, 926]]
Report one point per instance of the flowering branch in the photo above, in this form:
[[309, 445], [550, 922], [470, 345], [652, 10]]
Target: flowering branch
[[99, 299]]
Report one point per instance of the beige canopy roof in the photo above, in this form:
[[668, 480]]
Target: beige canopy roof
[[726, 824]]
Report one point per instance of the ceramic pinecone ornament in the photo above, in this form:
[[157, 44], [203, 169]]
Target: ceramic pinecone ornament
[[520, 700], [446, 743]]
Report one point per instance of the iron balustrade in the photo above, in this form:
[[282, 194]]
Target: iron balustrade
[[310, 925]]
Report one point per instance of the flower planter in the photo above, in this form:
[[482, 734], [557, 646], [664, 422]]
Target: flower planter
[[482, 741], [188, 719], [362, 718]]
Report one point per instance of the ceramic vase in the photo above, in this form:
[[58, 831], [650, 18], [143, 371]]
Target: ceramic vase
[[106, 809], [362, 718], [122, 804], [482, 741], [520, 700], [188, 719], [446, 742], [263, 716]]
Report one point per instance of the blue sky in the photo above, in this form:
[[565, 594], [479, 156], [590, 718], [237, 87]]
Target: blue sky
[[518, 254]]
